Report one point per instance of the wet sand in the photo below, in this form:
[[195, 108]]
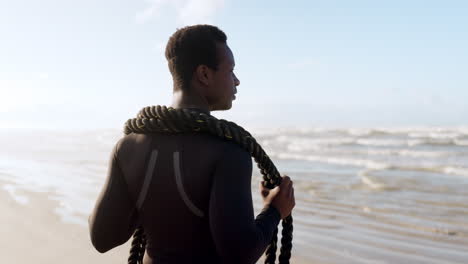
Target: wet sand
[[33, 233]]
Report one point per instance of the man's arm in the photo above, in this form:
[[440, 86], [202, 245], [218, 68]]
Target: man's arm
[[239, 238], [113, 219]]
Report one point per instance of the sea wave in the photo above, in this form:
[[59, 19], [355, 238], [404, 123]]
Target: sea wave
[[455, 170], [403, 152], [375, 183], [415, 132], [307, 143], [448, 170], [381, 142], [409, 153], [374, 165], [369, 177], [333, 160]]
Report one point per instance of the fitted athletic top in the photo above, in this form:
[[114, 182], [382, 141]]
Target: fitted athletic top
[[191, 192]]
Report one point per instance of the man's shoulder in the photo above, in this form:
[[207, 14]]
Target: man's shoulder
[[132, 140], [234, 152]]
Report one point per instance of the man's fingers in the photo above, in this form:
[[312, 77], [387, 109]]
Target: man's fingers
[[263, 190], [285, 187], [288, 189], [285, 181]]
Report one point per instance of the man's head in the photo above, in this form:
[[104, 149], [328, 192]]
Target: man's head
[[201, 63]]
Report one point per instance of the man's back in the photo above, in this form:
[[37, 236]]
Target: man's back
[[191, 193], [176, 171]]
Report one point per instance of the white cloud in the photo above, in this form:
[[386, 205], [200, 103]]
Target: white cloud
[[199, 11], [151, 11], [188, 11]]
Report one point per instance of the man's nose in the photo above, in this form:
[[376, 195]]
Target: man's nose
[[236, 81]]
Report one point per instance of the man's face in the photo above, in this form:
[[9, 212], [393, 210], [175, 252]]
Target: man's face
[[221, 94]]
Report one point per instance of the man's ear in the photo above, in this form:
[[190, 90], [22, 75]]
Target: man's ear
[[204, 74]]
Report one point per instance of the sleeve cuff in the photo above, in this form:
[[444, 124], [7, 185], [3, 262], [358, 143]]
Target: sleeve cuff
[[271, 212]]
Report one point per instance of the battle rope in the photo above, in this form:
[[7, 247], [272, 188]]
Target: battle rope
[[160, 119]]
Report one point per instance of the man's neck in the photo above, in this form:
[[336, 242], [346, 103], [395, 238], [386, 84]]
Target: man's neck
[[181, 99]]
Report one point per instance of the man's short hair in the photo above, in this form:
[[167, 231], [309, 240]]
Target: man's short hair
[[190, 47]]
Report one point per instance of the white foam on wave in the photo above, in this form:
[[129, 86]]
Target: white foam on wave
[[361, 131], [461, 142], [303, 144], [294, 152], [334, 160], [311, 143], [371, 165], [412, 142], [372, 183], [381, 142], [455, 171], [410, 131], [21, 199], [435, 141], [298, 148], [441, 134], [378, 183], [410, 153], [447, 170]]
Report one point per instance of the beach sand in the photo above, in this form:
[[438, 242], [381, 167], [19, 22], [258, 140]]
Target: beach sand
[[33, 233]]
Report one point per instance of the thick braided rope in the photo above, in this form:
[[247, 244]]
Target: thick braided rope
[[137, 249], [160, 119]]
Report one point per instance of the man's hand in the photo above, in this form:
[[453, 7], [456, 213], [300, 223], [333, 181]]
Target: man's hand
[[281, 197]]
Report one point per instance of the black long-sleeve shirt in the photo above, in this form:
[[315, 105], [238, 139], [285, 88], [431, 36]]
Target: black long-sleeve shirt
[[191, 193]]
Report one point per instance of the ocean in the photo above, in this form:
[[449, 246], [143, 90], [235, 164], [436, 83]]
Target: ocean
[[381, 195]]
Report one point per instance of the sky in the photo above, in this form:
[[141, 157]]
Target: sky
[[94, 64]]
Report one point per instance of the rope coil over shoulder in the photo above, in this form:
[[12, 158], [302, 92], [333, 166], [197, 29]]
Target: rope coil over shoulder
[[160, 119]]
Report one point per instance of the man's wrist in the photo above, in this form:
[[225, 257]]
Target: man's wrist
[[270, 209]]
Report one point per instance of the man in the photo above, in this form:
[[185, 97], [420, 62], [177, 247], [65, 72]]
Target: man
[[191, 192]]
